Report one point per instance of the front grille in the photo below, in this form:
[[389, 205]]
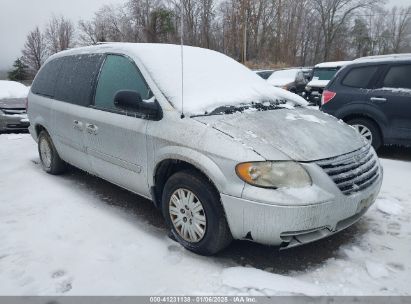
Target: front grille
[[354, 171]]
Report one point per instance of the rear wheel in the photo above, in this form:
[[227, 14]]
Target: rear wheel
[[50, 160], [367, 129], [193, 211]]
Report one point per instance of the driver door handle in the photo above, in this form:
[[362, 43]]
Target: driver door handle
[[378, 99], [91, 129]]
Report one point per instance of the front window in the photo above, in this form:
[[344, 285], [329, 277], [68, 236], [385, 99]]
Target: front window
[[119, 74]]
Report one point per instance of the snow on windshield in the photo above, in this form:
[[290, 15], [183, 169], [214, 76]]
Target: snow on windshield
[[211, 79], [12, 89]]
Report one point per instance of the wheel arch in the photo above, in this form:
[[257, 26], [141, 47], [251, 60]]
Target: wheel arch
[[366, 112], [186, 159]]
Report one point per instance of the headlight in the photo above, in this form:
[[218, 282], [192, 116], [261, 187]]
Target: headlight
[[282, 174], [308, 88]]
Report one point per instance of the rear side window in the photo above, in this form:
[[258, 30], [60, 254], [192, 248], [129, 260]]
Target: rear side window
[[398, 77], [45, 81], [118, 74], [77, 77], [360, 77]]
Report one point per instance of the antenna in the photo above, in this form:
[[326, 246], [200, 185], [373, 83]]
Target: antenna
[[182, 59]]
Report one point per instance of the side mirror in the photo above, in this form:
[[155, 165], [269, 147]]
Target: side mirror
[[131, 101], [128, 100]]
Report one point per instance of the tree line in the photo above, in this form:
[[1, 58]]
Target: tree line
[[260, 33]]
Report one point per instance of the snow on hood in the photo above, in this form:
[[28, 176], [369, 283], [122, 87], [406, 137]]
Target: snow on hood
[[300, 134], [12, 89], [318, 83], [211, 79]]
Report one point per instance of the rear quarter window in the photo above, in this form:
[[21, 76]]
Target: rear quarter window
[[398, 77], [76, 80], [360, 77], [44, 83]]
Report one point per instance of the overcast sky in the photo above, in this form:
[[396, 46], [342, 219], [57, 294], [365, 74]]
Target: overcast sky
[[18, 17]]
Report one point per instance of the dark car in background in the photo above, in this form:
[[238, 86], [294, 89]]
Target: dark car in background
[[13, 115], [373, 94]]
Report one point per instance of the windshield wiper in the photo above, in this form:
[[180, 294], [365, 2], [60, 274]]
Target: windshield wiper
[[260, 106]]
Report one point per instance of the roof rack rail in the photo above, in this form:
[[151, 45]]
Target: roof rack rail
[[387, 57]]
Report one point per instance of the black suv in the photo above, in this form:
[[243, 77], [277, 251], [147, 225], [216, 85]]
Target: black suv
[[373, 94]]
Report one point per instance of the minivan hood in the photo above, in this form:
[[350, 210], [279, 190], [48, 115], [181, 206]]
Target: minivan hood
[[12, 103], [300, 134]]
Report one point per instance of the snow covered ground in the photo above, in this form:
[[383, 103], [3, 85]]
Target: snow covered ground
[[78, 235]]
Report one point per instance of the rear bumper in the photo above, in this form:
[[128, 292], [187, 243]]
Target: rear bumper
[[293, 225]]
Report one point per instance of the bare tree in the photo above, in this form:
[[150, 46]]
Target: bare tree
[[333, 16], [269, 32], [35, 50], [398, 25], [59, 34]]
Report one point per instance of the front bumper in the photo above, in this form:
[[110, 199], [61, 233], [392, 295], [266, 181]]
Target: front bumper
[[273, 223], [16, 122]]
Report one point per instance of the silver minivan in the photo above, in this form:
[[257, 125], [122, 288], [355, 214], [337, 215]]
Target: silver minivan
[[224, 154]]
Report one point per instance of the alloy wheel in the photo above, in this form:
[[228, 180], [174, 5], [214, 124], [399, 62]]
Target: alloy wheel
[[364, 132]]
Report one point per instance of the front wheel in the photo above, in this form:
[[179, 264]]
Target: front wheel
[[193, 211]]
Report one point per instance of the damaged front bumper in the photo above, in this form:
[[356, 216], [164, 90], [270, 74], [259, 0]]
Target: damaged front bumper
[[302, 219]]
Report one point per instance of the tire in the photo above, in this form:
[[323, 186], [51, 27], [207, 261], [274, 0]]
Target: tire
[[50, 159], [364, 124], [215, 234]]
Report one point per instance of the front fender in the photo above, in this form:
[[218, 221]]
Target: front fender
[[203, 163]]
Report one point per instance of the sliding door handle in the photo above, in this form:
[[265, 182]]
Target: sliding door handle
[[91, 129], [77, 125]]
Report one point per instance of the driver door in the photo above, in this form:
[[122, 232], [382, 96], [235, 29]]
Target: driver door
[[116, 138]]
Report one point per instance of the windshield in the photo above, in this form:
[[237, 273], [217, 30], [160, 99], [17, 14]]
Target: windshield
[[324, 73], [205, 80]]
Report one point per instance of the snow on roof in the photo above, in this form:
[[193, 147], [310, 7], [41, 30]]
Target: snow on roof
[[332, 64], [283, 77], [390, 57], [211, 79], [12, 89], [288, 73]]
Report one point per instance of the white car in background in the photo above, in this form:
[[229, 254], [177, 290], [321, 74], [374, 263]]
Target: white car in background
[[13, 116], [322, 74]]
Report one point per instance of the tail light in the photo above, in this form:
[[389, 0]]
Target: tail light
[[327, 96], [26, 103]]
